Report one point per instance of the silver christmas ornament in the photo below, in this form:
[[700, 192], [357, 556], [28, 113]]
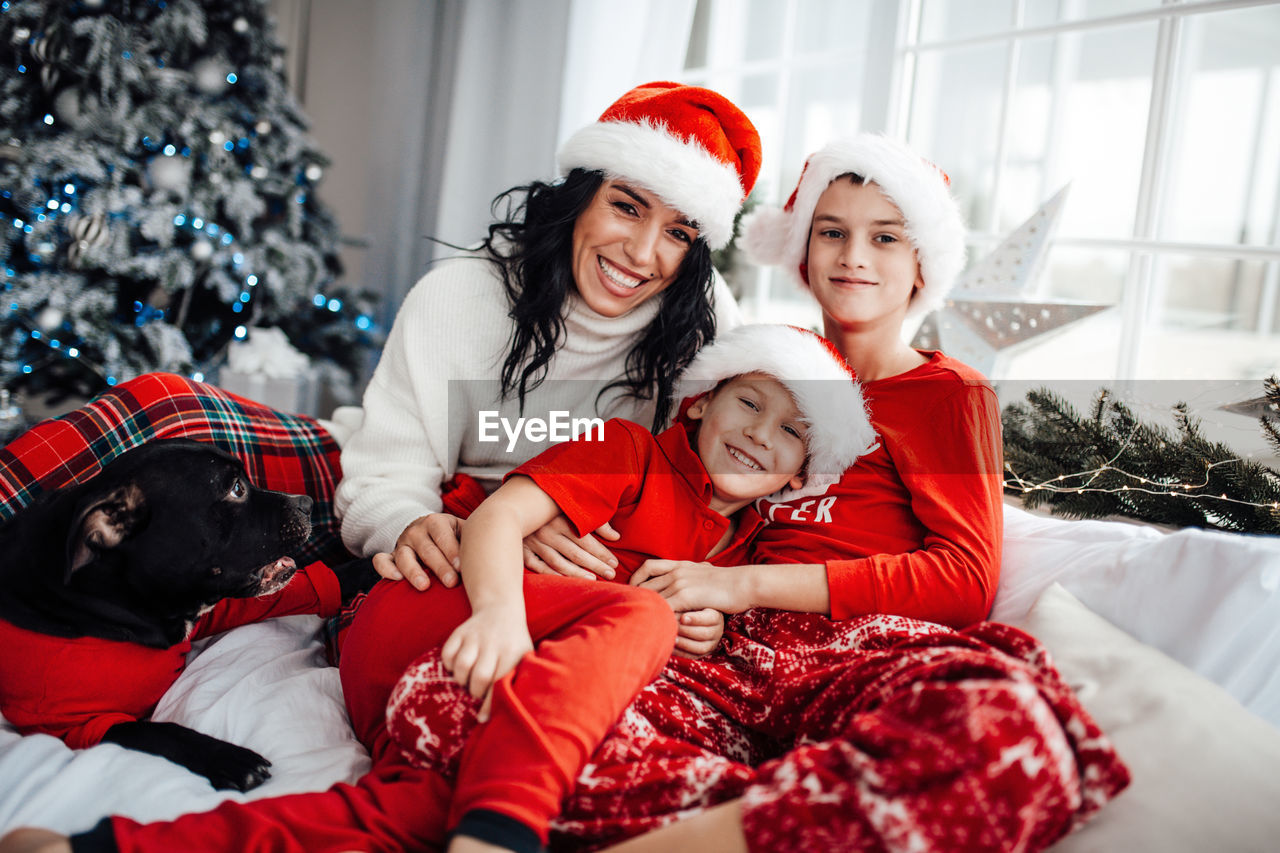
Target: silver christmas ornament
[[210, 76], [170, 174], [45, 49], [90, 229], [75, 107], [263, 127], [240, 25], [50, 317], [19, 35], [314, 172], [202, 250], [86, 232]]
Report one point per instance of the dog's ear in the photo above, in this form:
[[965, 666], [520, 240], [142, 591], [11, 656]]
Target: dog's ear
[[102, 522]]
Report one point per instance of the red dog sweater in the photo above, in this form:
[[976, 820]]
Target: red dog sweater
[[76, 688]]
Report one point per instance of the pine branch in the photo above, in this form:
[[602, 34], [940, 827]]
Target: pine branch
[[1110, 463], [1271, 424]]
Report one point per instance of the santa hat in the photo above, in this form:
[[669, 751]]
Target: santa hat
[[691, 146], [917, 187], [821, 382]]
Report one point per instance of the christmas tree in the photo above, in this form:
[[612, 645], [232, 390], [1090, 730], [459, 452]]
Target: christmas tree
[[1110, 463], [158, 196]]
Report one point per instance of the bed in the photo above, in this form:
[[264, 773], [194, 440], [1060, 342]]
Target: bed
[[1171, 639]]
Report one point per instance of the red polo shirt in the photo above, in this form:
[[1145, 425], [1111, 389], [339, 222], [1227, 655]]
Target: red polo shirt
[[75, 688], [653, 490]]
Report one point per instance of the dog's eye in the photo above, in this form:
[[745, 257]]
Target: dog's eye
[[238, 490]]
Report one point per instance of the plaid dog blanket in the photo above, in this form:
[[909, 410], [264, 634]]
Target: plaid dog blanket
[[286, 453]]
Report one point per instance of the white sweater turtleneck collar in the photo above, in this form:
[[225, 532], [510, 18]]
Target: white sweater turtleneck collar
[[588, 332]]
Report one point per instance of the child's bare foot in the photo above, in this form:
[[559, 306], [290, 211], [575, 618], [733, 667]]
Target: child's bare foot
[[28, 840]]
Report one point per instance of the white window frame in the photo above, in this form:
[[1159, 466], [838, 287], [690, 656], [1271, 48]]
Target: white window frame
[[887, 103]]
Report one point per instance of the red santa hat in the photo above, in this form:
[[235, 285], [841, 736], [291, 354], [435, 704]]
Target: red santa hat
[[820, 381], [919, 189], [690, 145]]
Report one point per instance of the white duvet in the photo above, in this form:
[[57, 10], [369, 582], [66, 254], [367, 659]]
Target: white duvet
[[1211, 601]]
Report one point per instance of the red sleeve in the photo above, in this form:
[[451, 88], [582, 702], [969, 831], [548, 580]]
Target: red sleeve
[[590, 478], [956, 486], [313, 590]]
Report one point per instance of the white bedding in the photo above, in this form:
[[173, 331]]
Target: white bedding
[[1210, 601]]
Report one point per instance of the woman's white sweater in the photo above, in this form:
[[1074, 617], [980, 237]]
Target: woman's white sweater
[[433, 407]]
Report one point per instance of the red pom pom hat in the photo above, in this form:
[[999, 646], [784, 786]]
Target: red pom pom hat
[[773, 236], [690, 145]]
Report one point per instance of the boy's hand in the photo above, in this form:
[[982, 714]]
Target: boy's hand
[[699, 632], [485, 648], [555, 549], [687, 585], [428, 543]]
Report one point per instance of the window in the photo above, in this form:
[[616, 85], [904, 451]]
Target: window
[[1163, 117]]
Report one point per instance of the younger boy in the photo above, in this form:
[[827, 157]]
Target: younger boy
[[767, 397]]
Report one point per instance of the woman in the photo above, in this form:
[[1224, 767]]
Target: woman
[[588, 299]]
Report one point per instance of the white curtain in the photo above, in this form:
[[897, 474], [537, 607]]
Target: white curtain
[[613, 46]]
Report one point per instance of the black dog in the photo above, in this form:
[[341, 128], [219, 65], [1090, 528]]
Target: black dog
[[130, 559]]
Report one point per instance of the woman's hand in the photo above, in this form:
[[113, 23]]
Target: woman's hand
[[430, 542], [699, 632], [484, 648], [696, 586], [555, 549], [29, 840]]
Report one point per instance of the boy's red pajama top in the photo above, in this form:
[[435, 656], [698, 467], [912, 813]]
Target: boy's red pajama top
[[915, 527], [595, 647], [76, 688], [653, 490]]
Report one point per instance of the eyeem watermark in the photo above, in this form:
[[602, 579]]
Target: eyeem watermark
[[558, 427]]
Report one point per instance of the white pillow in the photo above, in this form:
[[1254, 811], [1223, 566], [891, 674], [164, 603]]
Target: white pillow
[[1208, 599], [1206, 772]]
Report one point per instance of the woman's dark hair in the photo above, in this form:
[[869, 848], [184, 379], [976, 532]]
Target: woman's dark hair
[[532, 246]]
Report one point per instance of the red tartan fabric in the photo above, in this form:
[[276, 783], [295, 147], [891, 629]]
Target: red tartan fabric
[[879, 733], [286, 453]]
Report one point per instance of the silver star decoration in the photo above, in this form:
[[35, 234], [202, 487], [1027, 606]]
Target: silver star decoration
[[988, 314]]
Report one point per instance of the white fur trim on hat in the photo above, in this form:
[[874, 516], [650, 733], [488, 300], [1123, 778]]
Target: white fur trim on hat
[[774, 236], [824, 388], [682, 173]]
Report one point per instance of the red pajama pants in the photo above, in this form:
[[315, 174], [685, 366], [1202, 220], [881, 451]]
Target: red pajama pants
[[878, 733]]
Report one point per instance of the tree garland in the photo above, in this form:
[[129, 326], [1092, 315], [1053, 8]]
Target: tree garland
[[1110, 463]]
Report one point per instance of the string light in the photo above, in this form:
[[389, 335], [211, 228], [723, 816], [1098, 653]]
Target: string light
[[56, 347], [1164, 489]]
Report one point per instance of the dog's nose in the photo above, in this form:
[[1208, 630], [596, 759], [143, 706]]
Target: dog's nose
[[305, 503]]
